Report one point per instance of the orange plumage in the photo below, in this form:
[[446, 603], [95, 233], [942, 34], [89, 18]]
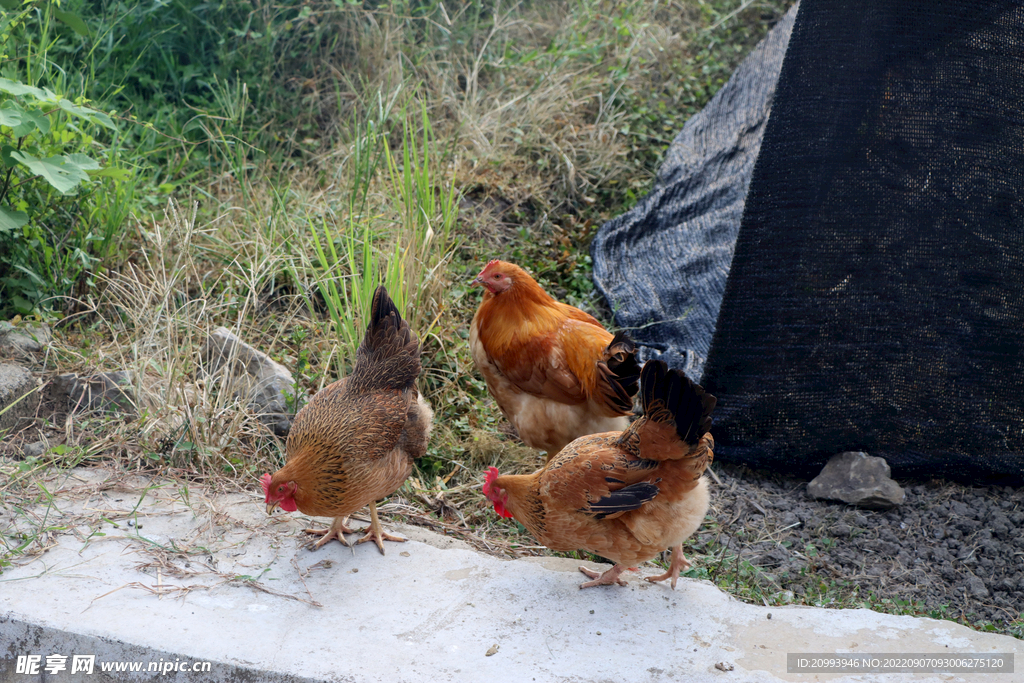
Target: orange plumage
[[355, 441], [555, 372], [626, 495]]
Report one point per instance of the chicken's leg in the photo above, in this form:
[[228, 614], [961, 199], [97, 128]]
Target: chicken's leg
[[609, 577], [376, 534], [679, 562], [338, 528]]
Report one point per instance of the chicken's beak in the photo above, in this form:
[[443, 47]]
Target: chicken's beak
[[477, 281], [271, 506]]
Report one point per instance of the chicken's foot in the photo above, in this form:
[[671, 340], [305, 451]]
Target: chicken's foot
[[337, 530], [376, 534], [606, 579], [679, 562]]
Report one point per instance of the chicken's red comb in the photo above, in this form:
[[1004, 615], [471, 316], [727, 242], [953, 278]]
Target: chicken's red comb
[[490, 264], [492, 474], [265, 482]]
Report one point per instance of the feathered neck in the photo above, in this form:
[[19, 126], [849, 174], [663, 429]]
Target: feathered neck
[[523, 499], [284, 475], [522, 312], [523, 291]]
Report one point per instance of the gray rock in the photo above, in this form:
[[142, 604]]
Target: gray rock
[[17, 398], [976, 588], [33, 449], [253, 376], [25, 339], [104, 391], [858, 479]]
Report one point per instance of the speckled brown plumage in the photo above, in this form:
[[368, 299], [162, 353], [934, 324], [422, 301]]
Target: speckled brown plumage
[[629, 495], [355, 441]]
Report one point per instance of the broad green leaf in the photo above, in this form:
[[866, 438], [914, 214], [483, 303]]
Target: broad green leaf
[[10, 5], [5, 155], [104, 120], [83, 161], [16, 88], [32, 120], [72, 108], [115, 173], [73, 21], [21, 304], [11, 219], [10, 113], [61, 172], [86, 113]]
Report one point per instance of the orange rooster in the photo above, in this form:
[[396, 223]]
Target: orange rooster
[[625, 496], [355, 441], [554, 371]]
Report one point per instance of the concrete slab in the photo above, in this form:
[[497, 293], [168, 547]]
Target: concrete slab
[[181, 575]]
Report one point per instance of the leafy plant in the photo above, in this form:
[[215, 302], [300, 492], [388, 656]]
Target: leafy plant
[[48, 153]]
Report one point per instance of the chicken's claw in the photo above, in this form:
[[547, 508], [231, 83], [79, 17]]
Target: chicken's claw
[[337, 530], [376, 534], [379, 538], [679, 562], [606, 579]]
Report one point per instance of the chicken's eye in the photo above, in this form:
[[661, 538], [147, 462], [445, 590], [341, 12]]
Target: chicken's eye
[[497, 276]]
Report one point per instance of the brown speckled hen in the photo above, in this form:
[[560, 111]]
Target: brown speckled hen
[[623, 495], [355, 441]]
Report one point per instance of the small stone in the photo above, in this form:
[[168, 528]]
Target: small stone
[[24, 339], [355, 570], [18, 398], [976, 588], [252, 375], [33, 449], [103, 392], [493, 649], [724, 666], [769, 615], [404, 553], [859, 479]]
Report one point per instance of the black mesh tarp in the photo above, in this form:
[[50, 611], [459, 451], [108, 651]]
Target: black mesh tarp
[[876, 295], [663, 265]]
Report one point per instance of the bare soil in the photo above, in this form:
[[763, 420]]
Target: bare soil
[[949, 551]]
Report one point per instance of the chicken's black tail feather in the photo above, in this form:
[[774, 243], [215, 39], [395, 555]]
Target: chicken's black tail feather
[[622, 371], [669, 396], [389, 356]]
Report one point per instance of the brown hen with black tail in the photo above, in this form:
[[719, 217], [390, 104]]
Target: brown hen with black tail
[[623, 495], [355, 441]]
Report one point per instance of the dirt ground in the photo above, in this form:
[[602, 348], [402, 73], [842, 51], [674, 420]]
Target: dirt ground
[[955, 551]]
